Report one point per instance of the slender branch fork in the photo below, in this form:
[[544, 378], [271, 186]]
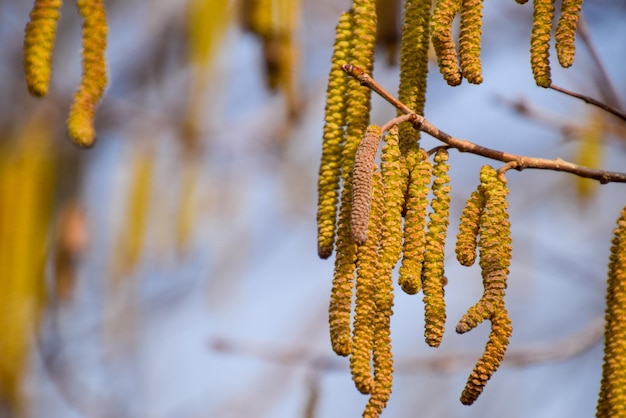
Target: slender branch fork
[[518, 162]]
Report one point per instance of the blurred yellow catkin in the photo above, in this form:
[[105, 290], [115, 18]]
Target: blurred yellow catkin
[[27, 180], [38, 45]]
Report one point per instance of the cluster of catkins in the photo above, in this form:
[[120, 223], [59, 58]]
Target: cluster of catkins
[[38, 46]]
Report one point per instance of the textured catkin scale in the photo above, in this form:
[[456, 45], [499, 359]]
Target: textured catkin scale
[[362, 183], [383, 359], [365, 306], [414, 45], [566, 30], [39, 38], [94, 78], [543, 13], [333, 138], [441, 25], [410, 272], [491, 358], [343, 281], [612, 395], [433, 270], [469, 40], [468, 228]]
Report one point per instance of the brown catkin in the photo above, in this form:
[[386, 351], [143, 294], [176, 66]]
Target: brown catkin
[[491, 358], [80, 124], [566, 31], [333, 139], [433, 279], [543, 13], [410, 272], [612, 396], [365, 306], [468, 228], [469, 40], [441, 25], [39, 38], [362, 183], [414, 45]]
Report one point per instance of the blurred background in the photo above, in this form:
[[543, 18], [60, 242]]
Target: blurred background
[[172, 271]]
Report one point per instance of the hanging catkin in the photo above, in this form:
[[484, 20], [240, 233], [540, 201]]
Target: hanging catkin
[[333, 138], [362, 183], [468, 228], [469, 40], [543, 13], [491, 358], [410, 273], [365, 304], [414, 45], [612, 396], [433, 271], [566, 31], [80, 124], [441, 19], [39, 44]]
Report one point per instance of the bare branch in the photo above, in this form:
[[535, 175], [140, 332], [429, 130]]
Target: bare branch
[[591, 101], [519, 162]]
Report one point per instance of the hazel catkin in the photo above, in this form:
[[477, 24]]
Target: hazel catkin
[[566, 31], [39, 38], [441, 24], [80, 123], [362, 183], [469, 40], [433, 279], [333, 139], [543, 13]]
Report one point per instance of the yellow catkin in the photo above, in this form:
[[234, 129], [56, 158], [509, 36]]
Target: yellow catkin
[[491, 358], [433, 270], [468, 228], [383, 359], [80, 124], [362, 183], [38, 45], [543, 13], [441, 19], [343, 279], [394, 180], [566, 31], [365, 308], [332, 142], [414, 45], [495, 250], [612, 396], [410, 272], [469, 40]]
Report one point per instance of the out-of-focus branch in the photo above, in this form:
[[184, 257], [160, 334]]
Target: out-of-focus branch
[[524, 355]]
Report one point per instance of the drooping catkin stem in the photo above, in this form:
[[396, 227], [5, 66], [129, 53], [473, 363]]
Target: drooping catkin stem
[[543, 13], [469, 40], [433, 271], [365, 304], [491, 358], [566, 31], [414, 45], [80, 124], [39, 38], [612, 396], [333, 139], [410, 273], [362, 183], [441, 19]]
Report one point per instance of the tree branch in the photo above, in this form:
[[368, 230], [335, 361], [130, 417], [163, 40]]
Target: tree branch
[[591, 101], [519, 162]]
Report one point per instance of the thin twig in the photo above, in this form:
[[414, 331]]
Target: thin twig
[[591, 101], [395, 121], [519, 162]]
